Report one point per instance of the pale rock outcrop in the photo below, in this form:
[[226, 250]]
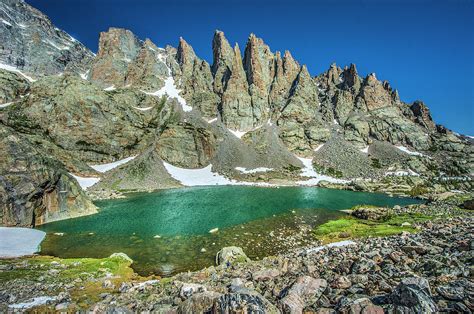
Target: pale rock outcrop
[[32, 44], [286, 72], [236, 103], [196, 81], [117, 48], [260, 69], [223, 57], [145, 71]]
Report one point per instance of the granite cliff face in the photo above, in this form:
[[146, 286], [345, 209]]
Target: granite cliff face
[[166, 106], [32, 44]]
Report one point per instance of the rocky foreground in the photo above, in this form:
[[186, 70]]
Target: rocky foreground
[[427, 271]]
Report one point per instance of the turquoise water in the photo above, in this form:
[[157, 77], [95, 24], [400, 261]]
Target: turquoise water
[[168, 231]]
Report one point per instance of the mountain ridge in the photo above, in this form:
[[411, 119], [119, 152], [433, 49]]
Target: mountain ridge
[[169, 107]]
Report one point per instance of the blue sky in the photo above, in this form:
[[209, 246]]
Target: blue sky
[[425, 49]]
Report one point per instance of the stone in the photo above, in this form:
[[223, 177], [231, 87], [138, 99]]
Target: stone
[[121, 256], [342, 282], [265, 274], [188, 289], [201, 302], [304, 292], [370, 213], [414, 293], [231, 254], [243, 303], [361, 305]]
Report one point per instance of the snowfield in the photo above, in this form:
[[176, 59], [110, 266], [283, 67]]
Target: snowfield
[[13, 69], [319, 147], [85, 182], [34, 302], [255, 170], [196, 177], [6, 105], [308, 171], [237, 134], [15, 242], [409, 152], [171, 90], [401, 173], [330, 245], [106, 167], [204, 176]]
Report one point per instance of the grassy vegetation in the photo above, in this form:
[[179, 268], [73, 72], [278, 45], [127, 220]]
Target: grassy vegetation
[[86, 274], [418, 190], [350, 227]]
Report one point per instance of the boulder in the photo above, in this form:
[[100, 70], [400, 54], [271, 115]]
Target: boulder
[[201, 302], [370, 213], [243, 303], [188, 289], [413, 295], [304, 292], [231, 254]]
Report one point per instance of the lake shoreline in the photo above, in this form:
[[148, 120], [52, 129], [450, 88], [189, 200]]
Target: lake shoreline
[[265, 281], [182, 229]]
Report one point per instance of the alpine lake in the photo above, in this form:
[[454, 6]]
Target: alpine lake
[[171, 231]]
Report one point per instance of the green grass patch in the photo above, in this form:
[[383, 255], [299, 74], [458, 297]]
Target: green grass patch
[[350, 227]]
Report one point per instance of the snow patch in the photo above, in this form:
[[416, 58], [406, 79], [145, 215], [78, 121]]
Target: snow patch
[[196, 177], [409, 152], [17, 242], [204, 176], [13, 69], [365, 150], [330, 245], [212, 120], [56, 46], [238, 134], [84, 75], [6, 105], [170, 87], [171, 90], [85, 182], [106, 167], [402, 173], [308, 171], [110, 88], [34, 302], [334, 121], [318, 148], [255, 170], [143, 109], [6, 22]]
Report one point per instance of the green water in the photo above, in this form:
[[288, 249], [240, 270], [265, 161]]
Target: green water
[[260, 220]]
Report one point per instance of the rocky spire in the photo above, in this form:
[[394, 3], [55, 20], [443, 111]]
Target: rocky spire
[[185, 54], [422, 115], [375, 94], [259, 65], [223, 56], [351, 78], [117, 48], [286, 71], [333, 75], [146, 71], [236, 103], [196, 80]]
